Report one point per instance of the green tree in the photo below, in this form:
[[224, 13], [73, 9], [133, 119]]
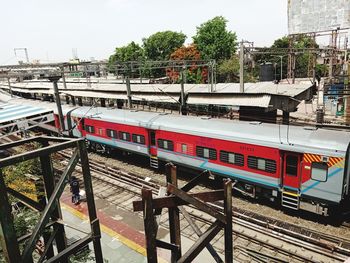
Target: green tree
[[130, 52], [214, 41], [228, 70], [160, 45]]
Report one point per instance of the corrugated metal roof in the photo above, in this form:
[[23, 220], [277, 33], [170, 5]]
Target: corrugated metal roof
[[48, 91], [256, 101], [11, 112], [318, 141], [94, 94], [259, 87], [157, 98]]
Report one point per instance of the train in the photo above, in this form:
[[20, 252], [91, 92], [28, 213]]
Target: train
[[302, 168]]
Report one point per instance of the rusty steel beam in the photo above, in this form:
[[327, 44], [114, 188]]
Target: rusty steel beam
[[40, 187], [35, 153], [52, 208], [49, 185], [174, 216], [166, 245], [94, 222], [179, 197], [63, 255], [195, 181], [150, 226], [199, 233], [5, 146], [201, 242], [53, 201], [197, 203], [228, 225]]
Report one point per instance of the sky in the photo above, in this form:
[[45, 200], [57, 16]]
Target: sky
[[51, 29]]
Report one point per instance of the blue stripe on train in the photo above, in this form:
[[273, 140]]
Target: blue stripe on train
[[230, 174], [107, 141], [318, 182], [205, 162]]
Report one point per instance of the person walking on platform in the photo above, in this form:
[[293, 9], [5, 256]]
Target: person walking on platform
[[74, 188]]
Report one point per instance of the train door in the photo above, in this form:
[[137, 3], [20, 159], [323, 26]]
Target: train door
[[291, 180], [291, 171], [77, 127], [152, 149]]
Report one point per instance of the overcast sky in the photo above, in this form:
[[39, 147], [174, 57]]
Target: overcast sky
[[50, 29]]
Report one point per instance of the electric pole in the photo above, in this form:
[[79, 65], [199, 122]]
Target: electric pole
[[241, 68], [182, 95], [128, 92], [25, 51], [54, 80]]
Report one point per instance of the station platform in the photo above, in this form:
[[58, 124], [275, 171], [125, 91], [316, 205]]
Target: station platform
[[120, 242], [122, 231]]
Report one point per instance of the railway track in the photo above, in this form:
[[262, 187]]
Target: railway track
[[257, 237]]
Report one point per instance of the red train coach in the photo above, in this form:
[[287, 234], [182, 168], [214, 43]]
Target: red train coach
[[303, 168]]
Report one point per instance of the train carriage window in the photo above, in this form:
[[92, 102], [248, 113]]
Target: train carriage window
[[262, 164], [232, 158], [292, 165], [207, 153], [111, 133], [90, 129], [166, 144], [125, 136], [270, 166], [140, 139], [184, 148], [319, 171], [100, 131]]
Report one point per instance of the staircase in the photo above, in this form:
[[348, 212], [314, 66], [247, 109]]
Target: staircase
[[290, 199], [154, 162]]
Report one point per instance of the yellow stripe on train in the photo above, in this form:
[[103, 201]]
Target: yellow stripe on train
[[332, 161]]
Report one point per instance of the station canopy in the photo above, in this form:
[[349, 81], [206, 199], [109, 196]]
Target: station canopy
[[12, 112]]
